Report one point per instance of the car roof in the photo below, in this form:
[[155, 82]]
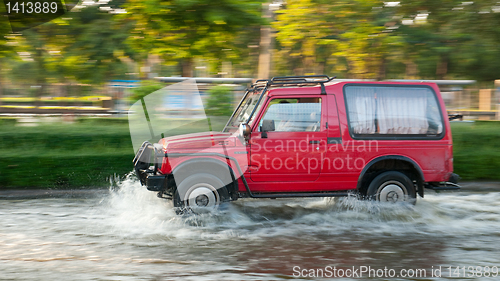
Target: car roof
[[282, 90]]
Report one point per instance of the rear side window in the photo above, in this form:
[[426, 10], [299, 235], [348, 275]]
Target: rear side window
[[393, 111]]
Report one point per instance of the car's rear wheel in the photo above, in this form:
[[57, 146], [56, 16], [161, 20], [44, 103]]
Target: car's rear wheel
[[392, 187], [200, 193]]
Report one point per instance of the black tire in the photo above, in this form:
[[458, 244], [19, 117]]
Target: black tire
[[392, 187], [199, 193]]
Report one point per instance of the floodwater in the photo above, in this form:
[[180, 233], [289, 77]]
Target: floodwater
[[130, 234]]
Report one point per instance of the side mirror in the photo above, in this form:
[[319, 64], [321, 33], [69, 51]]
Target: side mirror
[[245, 130], [267, 126]]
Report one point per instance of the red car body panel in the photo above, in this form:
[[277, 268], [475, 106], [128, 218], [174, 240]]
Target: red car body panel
[[334, 160]]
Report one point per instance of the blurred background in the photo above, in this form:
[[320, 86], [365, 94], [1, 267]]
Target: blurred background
[[92, 56], [66, 85]]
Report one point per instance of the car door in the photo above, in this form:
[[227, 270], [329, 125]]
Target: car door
[[293, 151]]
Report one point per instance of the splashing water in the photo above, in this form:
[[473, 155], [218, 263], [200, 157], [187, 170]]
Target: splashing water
[[132, 208], [129, 233]]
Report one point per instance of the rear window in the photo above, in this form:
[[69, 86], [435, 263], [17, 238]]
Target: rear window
[[393, 111]]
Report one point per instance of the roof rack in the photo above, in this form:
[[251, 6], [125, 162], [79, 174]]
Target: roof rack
[[294, 81]]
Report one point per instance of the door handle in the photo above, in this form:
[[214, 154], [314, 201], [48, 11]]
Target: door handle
[[314, 142]]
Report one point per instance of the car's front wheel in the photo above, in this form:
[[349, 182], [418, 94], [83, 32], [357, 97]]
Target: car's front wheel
[[392, 187], [199, 193]]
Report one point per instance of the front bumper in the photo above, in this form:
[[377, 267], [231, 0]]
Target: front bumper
[[156, 182], [147, 163]]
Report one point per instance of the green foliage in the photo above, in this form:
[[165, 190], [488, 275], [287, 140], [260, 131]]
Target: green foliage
[[147, 87], [63, 171], [342, 37], [94, 49], [219, 101], [86, 153], [5, 49], [86, 47], [349, 38], [184, 30], [476, 150], [364, 38]]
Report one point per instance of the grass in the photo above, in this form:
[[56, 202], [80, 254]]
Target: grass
[[86, 154], [90, 152], [477, 150]]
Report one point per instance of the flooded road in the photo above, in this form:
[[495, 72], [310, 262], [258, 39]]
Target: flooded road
[[130, 234]]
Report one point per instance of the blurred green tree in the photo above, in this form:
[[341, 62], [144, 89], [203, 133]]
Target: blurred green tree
[[451, 39], [93, 46], [7, 44], [352, 37], [372, 39], [87, 47], [180, 30]]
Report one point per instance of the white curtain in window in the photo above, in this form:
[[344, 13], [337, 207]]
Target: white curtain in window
[[393, 110], [402, 110], [361, 106]]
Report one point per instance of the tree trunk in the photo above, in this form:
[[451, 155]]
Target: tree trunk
[[1, 87], [411, 69], [1, 92], [40, 80], [265, 46], [442, 67], [382, 69], [320, 67], [187, 67], [308, 63]]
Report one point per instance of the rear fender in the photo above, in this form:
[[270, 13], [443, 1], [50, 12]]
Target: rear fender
[[416, 168]]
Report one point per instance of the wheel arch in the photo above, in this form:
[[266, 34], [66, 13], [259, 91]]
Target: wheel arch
[[391, 162], [219, 168]]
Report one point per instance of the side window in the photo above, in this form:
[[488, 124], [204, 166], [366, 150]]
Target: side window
[[376, 110], [294, 115]]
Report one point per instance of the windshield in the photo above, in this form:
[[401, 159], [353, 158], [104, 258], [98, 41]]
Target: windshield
[[244, 110]]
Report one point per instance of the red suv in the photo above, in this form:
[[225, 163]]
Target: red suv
[[310, 136]]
